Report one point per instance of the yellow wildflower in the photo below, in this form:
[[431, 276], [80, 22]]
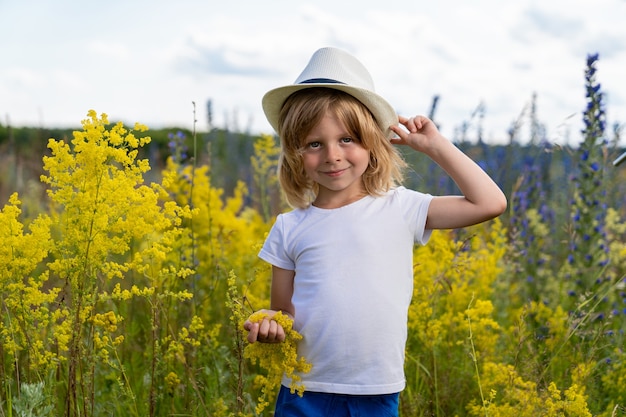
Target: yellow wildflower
[[278, 359], [172, 381]]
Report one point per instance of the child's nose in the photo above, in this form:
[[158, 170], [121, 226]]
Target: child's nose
[[333, 153]]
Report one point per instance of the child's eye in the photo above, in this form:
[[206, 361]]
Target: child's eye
[[347, 140], [311, 146]]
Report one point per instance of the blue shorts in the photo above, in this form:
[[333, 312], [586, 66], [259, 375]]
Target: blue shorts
[[313, 404]]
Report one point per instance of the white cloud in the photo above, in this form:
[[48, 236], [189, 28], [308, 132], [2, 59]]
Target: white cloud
[[101, 49]]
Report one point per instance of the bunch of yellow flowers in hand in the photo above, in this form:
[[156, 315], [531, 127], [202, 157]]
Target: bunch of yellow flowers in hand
[[277, 358]]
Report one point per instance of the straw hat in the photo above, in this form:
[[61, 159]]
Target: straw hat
[[334, 68]]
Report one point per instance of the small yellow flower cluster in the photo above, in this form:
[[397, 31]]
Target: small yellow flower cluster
[[184, 336], [108, 321], [186, 339], [42, 358], [278, 359], [221, 409], [63, 331], [615, 229], [103, 344], [480, 316], [196, 324], [264, 163], [172, 381], [175, 352], [512, 396], [124, 295]]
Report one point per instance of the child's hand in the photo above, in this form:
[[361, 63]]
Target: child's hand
[[422, 133], [265, 331]]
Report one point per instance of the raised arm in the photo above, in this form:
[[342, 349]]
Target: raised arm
[[482, 199]]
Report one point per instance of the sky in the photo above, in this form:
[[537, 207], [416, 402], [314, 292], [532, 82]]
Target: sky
[[149, 61]]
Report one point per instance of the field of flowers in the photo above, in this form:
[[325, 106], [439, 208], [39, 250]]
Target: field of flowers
[[122, 296]]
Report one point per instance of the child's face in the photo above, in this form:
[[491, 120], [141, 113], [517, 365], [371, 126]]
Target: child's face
[[335, 160]]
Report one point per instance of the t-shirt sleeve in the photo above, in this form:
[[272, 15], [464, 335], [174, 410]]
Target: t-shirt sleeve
[[274, 249], [415, 210]]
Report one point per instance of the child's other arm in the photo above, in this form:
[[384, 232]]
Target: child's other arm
[[268, 330], [482, 199]]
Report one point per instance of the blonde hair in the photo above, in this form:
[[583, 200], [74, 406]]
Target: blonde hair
[[301, 112]]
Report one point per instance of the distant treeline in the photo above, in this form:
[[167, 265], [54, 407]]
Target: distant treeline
[[228, 155]]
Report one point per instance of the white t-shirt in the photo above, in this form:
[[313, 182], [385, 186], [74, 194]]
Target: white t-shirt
[[352, 287]]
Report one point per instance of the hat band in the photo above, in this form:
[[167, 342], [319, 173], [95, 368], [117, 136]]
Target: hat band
[[320, 81]]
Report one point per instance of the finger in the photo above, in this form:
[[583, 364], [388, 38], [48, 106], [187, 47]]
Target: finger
[[280, 334], [247, 325], [409, 123], [272, 334], [401, 133], [253, 332], [264, 330], [276, 333]]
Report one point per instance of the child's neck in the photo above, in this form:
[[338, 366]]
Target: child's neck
[[336, 200]]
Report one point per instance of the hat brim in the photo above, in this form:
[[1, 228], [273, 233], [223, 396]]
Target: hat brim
[[383, 112]]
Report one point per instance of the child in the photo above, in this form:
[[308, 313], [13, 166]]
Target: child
[[342, 264]]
